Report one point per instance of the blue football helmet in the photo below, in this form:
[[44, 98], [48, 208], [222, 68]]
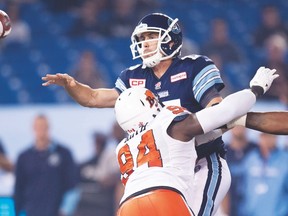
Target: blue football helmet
[[169, 39]]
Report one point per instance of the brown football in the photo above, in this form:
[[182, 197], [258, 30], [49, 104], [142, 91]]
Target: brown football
[[5, 24]]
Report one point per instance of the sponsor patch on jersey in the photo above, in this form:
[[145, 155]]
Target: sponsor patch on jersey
[[137, 82], [179, 76], [163, 94]]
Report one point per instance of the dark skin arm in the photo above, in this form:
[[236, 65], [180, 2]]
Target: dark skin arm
[[268, 122], [189, 127], [186, 129]]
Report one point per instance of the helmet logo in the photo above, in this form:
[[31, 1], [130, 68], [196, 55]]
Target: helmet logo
[[158, 85], [175, 28], [141, 26], [150, 98]]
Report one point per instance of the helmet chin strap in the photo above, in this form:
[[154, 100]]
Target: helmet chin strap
[[152, 61]]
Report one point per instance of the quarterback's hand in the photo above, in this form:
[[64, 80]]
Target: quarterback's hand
[[59, 79], [262, 80]]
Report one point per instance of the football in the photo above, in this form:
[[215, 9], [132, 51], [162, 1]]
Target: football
[[5, 24]]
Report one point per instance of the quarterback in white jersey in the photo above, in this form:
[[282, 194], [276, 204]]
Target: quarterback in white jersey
[[156, 159]]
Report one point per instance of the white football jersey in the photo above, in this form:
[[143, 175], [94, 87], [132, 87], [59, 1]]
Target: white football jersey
[[151, 158]]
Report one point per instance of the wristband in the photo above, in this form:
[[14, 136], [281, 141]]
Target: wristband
[[257, 90], [241, 121]]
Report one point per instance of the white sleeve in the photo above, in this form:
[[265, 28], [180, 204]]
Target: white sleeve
[[233, 106]]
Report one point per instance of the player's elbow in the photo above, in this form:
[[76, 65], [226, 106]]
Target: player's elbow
[[90, 104], [99, 104]]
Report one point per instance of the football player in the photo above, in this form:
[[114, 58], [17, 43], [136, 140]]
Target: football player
[[192, 82], [157, 158]]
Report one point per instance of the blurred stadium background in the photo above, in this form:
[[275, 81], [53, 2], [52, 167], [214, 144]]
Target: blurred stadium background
[[51, 45], [51, 49]]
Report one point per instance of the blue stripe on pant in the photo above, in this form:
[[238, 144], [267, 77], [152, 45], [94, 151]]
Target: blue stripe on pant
[[212, 184]]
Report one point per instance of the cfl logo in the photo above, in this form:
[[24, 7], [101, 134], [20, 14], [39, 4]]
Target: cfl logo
[[137, 82]]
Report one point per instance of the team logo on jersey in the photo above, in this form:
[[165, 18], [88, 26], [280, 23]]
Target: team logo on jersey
[[179, 76], [158, 85], [137, 82]]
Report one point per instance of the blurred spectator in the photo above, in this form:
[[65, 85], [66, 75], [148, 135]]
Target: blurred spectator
[[117, 135], [5, 163], [46, 176], [221, 44], [265, 181], [276, 57], [88, 71], [189, 47], [89, 21], [59, 6], [97, 182], [145, 7], [235, 76], [21, 32], [237, 149], [218, 61], [6, 174], [271, 23], [228, 57], [123, 16]]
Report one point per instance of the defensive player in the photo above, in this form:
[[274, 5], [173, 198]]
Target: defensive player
[[193, 82], [157, 158]]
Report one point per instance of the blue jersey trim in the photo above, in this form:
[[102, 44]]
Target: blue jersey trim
[[202, 91], [205, 72], [204, 80], [120, 85]]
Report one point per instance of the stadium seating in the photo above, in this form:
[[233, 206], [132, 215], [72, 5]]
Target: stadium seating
[[51, 50]]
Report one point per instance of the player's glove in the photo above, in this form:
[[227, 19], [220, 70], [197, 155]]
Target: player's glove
[[262, 80]]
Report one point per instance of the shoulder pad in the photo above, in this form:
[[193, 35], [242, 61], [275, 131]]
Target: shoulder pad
[[134, 67], [193, 57]]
